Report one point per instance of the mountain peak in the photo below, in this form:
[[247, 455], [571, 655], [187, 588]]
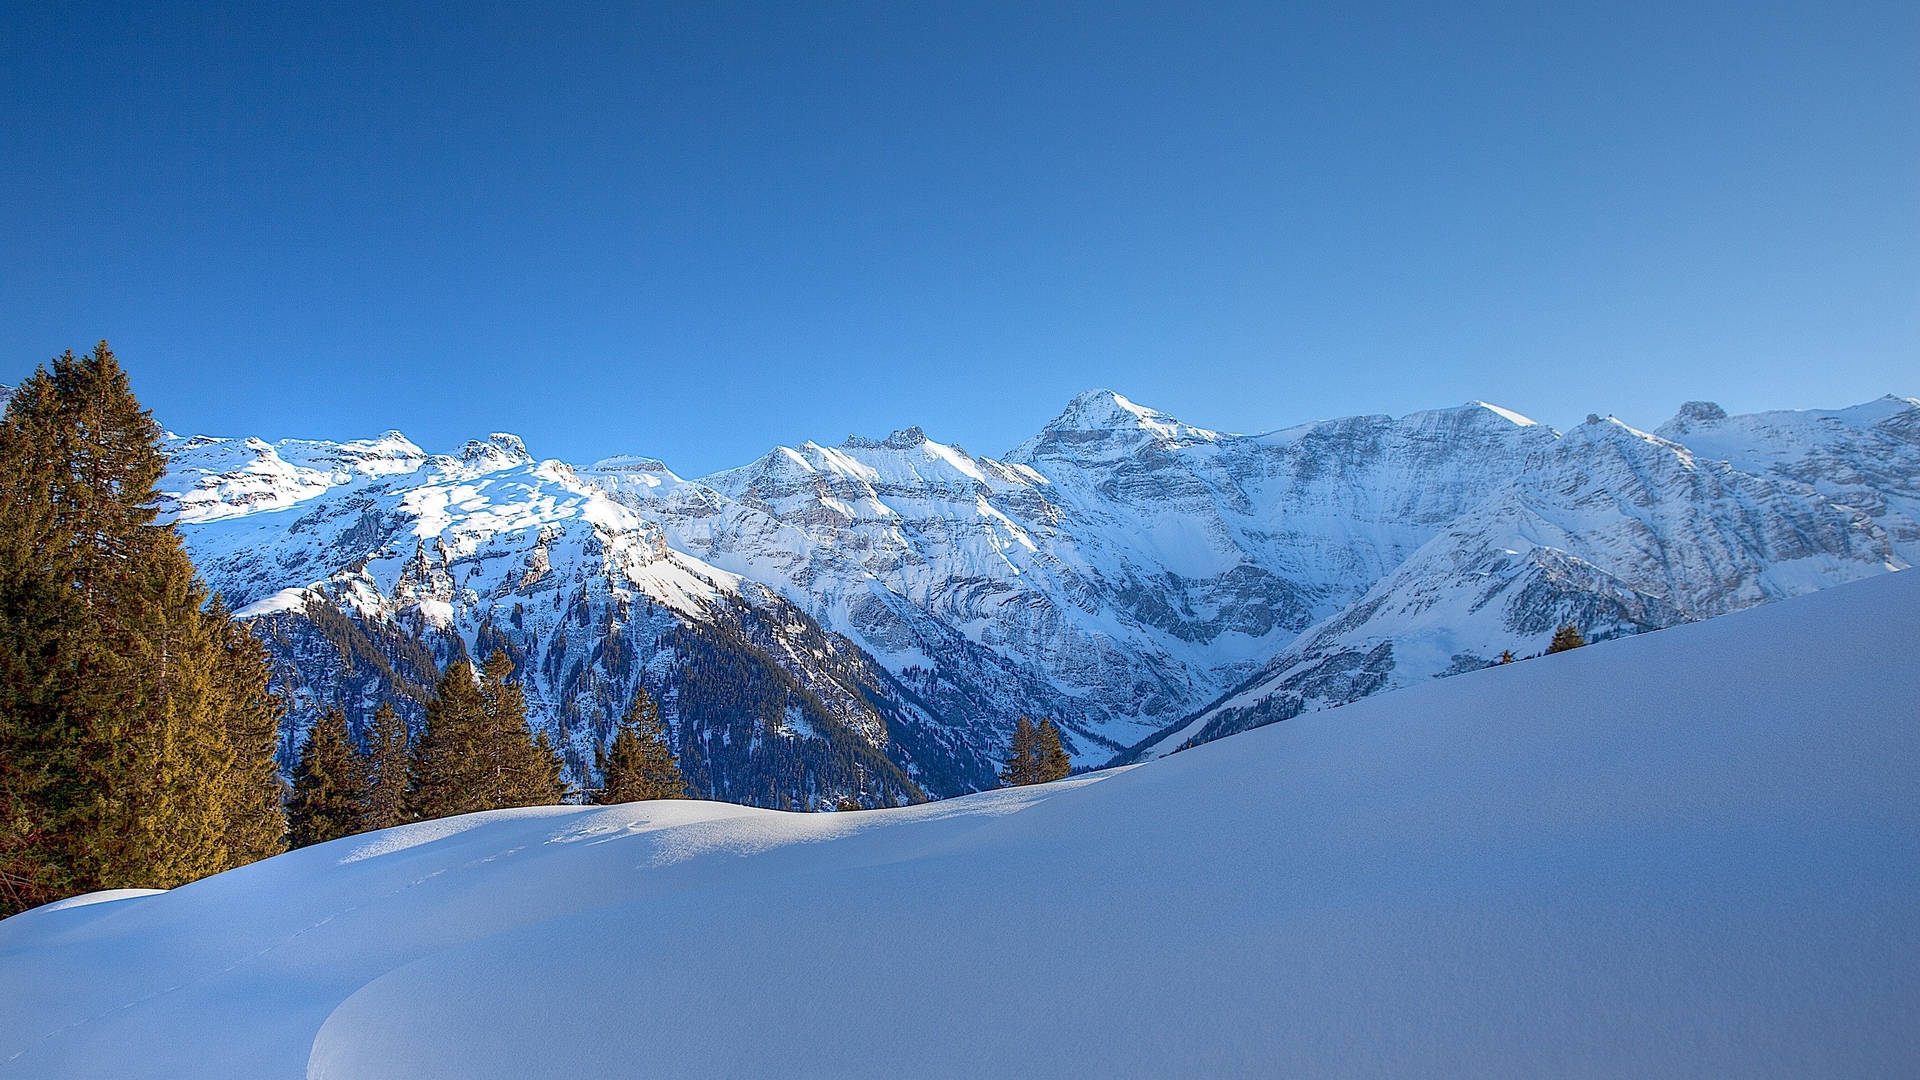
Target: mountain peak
[[1508, 415], [1692, 416], [1100, 424], [903, 439], [1104, 410], [500, 448]]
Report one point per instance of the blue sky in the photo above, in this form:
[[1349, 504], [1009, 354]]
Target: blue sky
[[695, 230]]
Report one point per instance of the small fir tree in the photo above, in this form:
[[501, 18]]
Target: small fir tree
[[388, 754], [329, 785], [1507, 657], [1053, 762], [1565, 638], [1023, 758], [639, 764]]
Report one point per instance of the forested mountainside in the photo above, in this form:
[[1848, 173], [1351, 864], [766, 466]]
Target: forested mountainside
[[867, 620]]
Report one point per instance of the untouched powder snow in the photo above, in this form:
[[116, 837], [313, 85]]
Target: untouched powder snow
[[1688, 853]]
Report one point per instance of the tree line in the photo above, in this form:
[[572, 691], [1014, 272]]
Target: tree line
[[475, 753], [137, 728]]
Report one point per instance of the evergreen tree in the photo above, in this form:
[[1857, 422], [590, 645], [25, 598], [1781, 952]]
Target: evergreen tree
[[1052, 761], [1567, 637], [639, 764], [1507, 657], [1023, 760], [449, 758], [135, 743], [389, 771], [329, 785], [256, 824], [476, 752], [525, 767], [543, 782]]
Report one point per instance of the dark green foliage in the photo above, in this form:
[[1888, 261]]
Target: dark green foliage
[[329, 785], [1053, 762], [1565, 638], [733, 702], [476, 752], [389, 771], [543, 783], [256, 826], [1023, 757], [450, 757], [639, 764], [329, 659], [135, 727]]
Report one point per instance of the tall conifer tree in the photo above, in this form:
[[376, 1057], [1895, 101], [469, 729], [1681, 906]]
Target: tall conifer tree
[[1053, 762], [329, 785], [131, 720], [1023, 760], [389, 771], [449, 757], [639, 764]]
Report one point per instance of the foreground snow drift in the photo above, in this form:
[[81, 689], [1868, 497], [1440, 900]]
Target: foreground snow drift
[[1695, 852]]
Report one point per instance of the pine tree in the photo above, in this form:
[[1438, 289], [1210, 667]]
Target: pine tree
[[543, 782], [1565, 638], [256, 824], [1023, 762], [1052, 760], [639, 764], [476, 752], [389, 771], [1507, 657], [134, 725], [449, 758], [329, 785], [526, 770]]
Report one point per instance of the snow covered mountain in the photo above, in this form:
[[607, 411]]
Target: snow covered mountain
[[1611, 529], [1691, 853], [1149, 584]]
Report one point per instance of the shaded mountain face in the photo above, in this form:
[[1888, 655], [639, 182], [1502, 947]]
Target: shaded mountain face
[[867, 620]]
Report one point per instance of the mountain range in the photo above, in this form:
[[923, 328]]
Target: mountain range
[[865, 621]]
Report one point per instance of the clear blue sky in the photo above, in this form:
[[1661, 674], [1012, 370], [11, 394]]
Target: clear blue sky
[[695, 230]]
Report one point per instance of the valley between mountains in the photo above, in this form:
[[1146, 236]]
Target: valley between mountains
[[866, 621]]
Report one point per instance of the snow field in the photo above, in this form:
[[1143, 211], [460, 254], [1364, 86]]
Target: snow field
[[1688, 853]]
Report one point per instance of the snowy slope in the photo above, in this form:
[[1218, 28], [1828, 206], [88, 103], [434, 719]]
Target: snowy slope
[[1685, 853]]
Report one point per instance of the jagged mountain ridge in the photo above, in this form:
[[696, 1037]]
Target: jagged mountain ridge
[[1119, 571], [1616, 531]]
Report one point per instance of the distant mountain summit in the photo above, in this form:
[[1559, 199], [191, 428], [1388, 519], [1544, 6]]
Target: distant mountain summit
[[867, 620]]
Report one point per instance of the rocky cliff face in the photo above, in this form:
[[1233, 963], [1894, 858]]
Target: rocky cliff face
[[866, 620], [1614, 530]]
